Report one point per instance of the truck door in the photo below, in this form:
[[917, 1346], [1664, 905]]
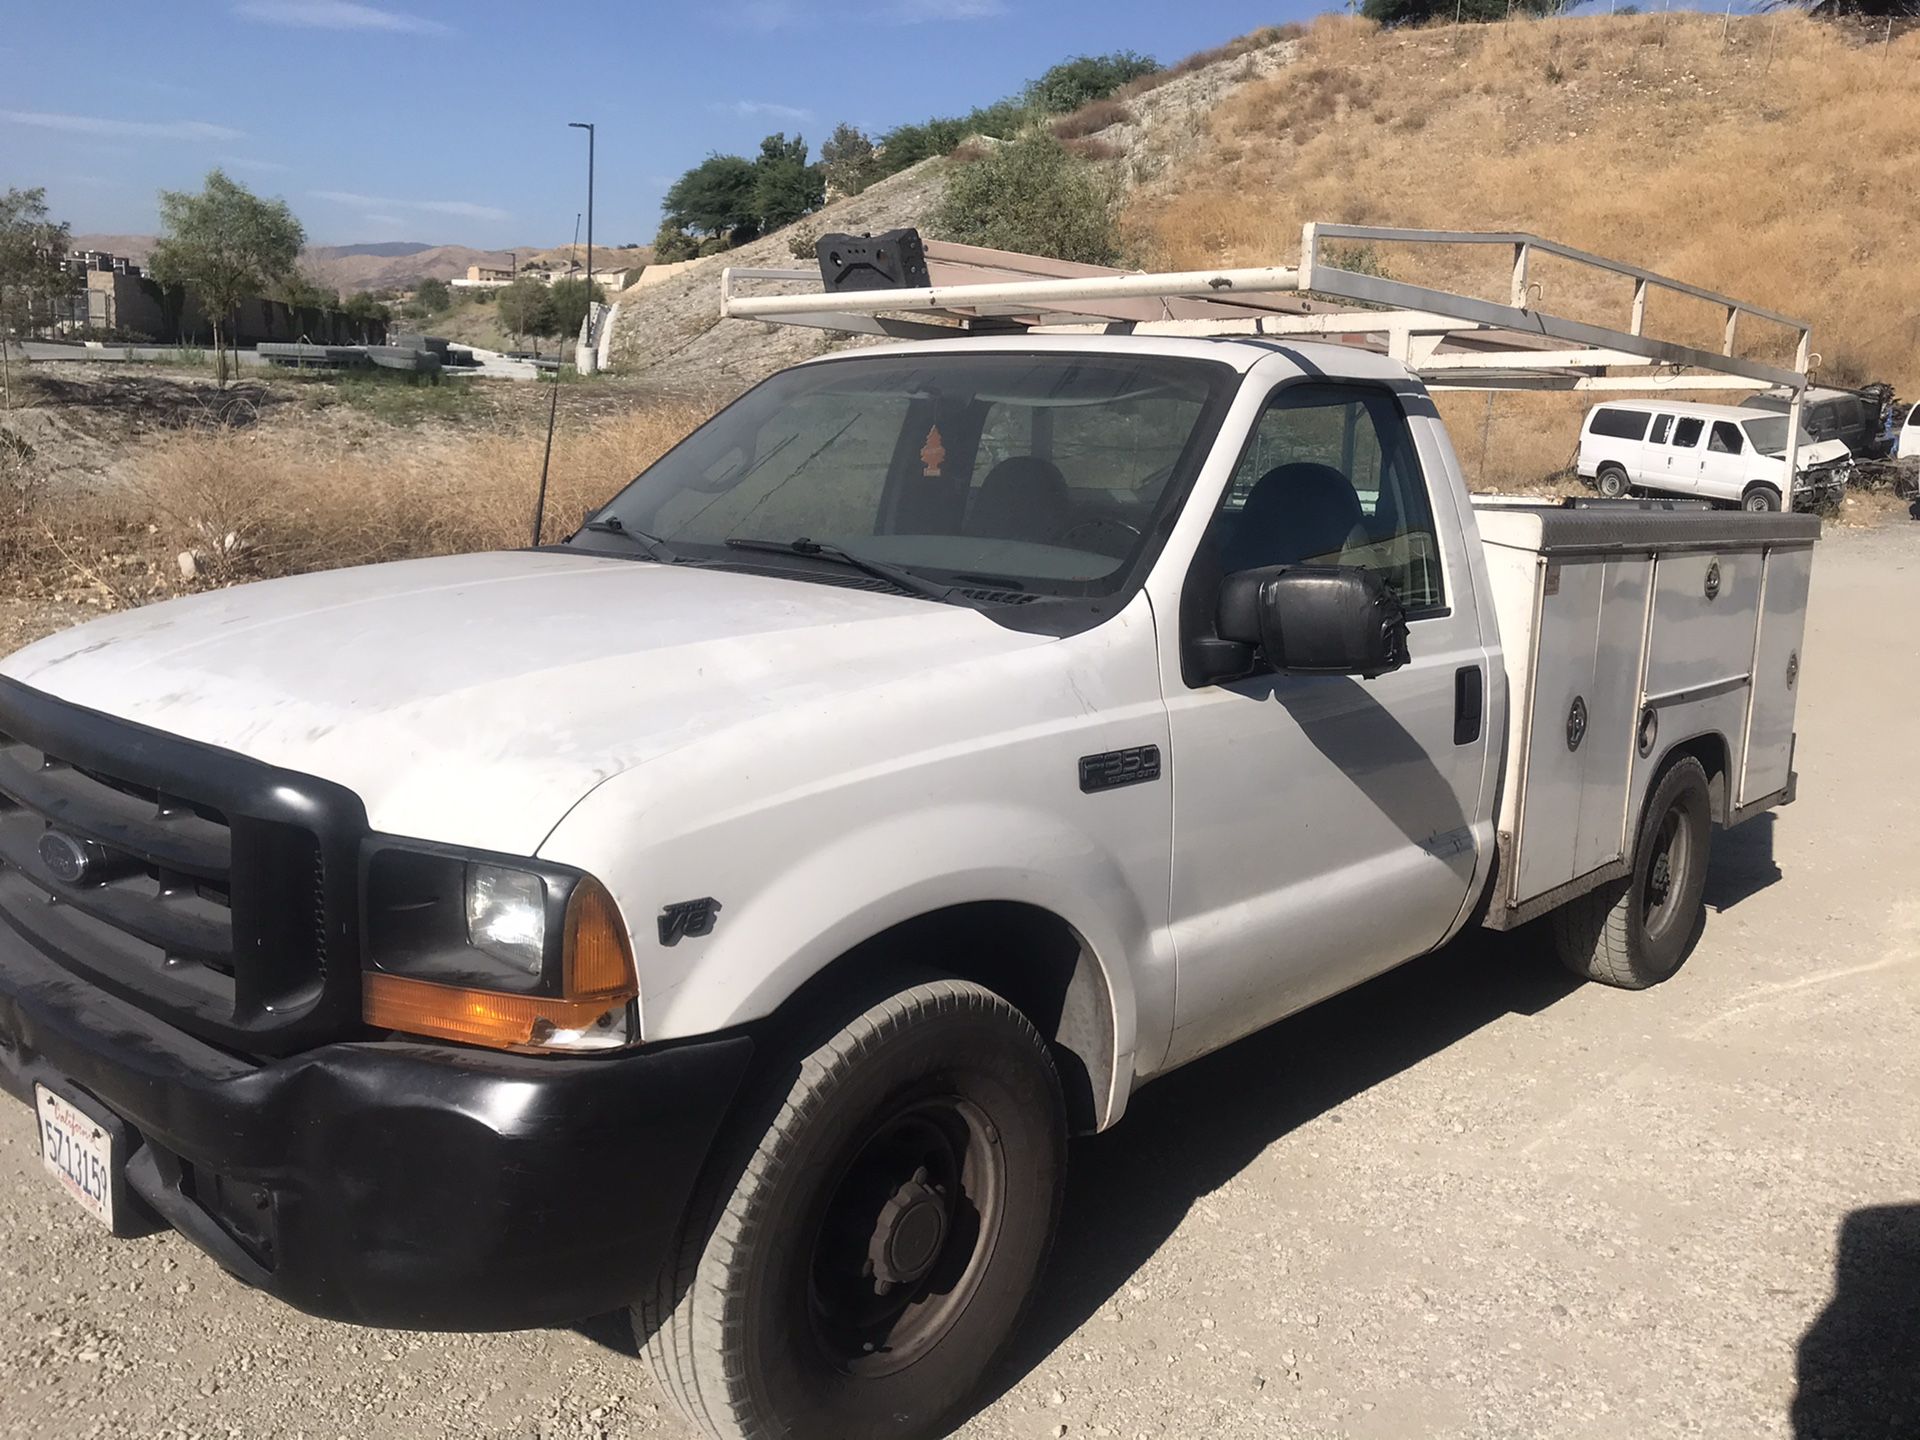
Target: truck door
[[1723, 462], [1652, 457], [1683, 456], [1322, 824]]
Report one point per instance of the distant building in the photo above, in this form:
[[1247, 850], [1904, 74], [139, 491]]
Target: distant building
[[99, 261], [493, 277]]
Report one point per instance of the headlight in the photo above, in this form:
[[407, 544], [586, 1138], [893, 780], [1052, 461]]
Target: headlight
[[507, 917], [515, 955]]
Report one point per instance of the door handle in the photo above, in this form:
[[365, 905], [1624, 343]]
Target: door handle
[[1468, 703]]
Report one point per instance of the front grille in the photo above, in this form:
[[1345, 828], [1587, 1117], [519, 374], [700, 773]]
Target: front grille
[[205, 886]]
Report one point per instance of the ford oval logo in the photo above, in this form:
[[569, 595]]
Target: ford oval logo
[[66, 858]]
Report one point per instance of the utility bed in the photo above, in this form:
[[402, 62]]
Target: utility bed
[[1635, 622]]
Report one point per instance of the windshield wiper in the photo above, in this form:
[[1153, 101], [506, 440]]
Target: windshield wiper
[[903, 579], [656, 548]]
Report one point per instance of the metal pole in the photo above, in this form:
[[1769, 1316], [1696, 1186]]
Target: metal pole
[[592, 325]]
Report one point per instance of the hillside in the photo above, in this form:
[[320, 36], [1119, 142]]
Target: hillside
[[1775, 162], [671, 333], [1770, 156]]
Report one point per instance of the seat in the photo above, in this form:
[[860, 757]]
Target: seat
[[1022, 498], [1296, 512]]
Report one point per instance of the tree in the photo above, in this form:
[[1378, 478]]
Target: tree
[[526, 308], [1086, 78], [567, 306], [433, 295], [33, 250], [673, 244], [785, 186], [1029, 194], [1426, 12], [305, 299], [367, 310], [225, 244], [714, 198], [847, 161]]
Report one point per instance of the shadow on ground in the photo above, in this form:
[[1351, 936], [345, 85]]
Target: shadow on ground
[[1859, 1363], [1743, 863], [1202, 1125]]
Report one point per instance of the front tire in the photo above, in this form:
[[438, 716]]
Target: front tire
[[1760, 499], [1612, 481], [1635, 932], [857, 1265]]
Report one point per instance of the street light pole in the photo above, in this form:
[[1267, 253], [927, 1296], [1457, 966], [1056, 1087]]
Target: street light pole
[[592, 320]]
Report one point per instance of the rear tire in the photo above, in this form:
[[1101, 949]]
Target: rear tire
[[1636, 931], [862, 1257], [1760, 499], [1612, 481]]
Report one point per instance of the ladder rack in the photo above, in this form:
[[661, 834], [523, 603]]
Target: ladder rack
[[1451, 340]]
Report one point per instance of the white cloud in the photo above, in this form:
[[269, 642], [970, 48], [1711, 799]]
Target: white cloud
[[335, 15], [464, 209], [241, 162], [764, 110], [122, 129]]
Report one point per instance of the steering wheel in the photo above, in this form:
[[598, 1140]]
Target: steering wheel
[[1097, 525]]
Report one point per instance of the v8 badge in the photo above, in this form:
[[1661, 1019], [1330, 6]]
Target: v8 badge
[[688, 918]]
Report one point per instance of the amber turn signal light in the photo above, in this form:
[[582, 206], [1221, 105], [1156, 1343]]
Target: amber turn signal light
[[598, 984]]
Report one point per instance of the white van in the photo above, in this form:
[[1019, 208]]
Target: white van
[[1907, 445], [1712, 452]]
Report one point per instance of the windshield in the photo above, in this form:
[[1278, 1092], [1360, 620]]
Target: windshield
[[1769, 436], [1031, 472]]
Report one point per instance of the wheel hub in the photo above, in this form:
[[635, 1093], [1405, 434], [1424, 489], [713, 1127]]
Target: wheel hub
[[909, 1233], [1660, 880]]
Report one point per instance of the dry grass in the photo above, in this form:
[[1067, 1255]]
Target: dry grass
[[267, 501], [1091, 118], [1232, 50], [1777, 163]]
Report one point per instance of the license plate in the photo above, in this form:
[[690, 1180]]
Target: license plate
[[77, 1152]]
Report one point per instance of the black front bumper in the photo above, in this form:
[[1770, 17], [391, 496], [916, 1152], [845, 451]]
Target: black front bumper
[[386, 1183]]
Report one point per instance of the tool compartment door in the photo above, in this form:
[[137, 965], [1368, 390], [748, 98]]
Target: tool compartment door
[[1579, 757], [1776, 673]]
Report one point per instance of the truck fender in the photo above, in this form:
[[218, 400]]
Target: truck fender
[[768, 945]]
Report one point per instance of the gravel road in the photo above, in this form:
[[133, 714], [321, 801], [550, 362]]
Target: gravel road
[[1469, 1199]]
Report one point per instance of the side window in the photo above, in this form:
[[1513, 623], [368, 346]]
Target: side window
[[1618, 424], [1662, 427], [1330, 477], [1686, 434], [1725, 438]]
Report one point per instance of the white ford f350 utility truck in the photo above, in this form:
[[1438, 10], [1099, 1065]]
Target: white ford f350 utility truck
[[731, 911]]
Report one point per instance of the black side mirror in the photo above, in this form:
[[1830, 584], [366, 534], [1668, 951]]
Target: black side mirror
[[1315, 619]]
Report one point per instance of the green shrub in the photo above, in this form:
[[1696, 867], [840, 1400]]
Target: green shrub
[[1086, 78], [1031, 195]]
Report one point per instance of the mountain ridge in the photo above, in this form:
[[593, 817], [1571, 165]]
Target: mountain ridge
[[370, 265]]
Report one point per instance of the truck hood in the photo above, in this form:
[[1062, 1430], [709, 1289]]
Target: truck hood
[[475, 699], [1823, 452]]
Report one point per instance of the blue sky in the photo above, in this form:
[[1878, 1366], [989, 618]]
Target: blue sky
[[410, 120]]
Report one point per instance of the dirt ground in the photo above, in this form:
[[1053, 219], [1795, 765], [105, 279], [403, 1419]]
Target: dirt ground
[[1471, 1199]]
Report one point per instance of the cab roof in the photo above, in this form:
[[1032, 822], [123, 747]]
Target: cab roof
[[1304, 357]]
